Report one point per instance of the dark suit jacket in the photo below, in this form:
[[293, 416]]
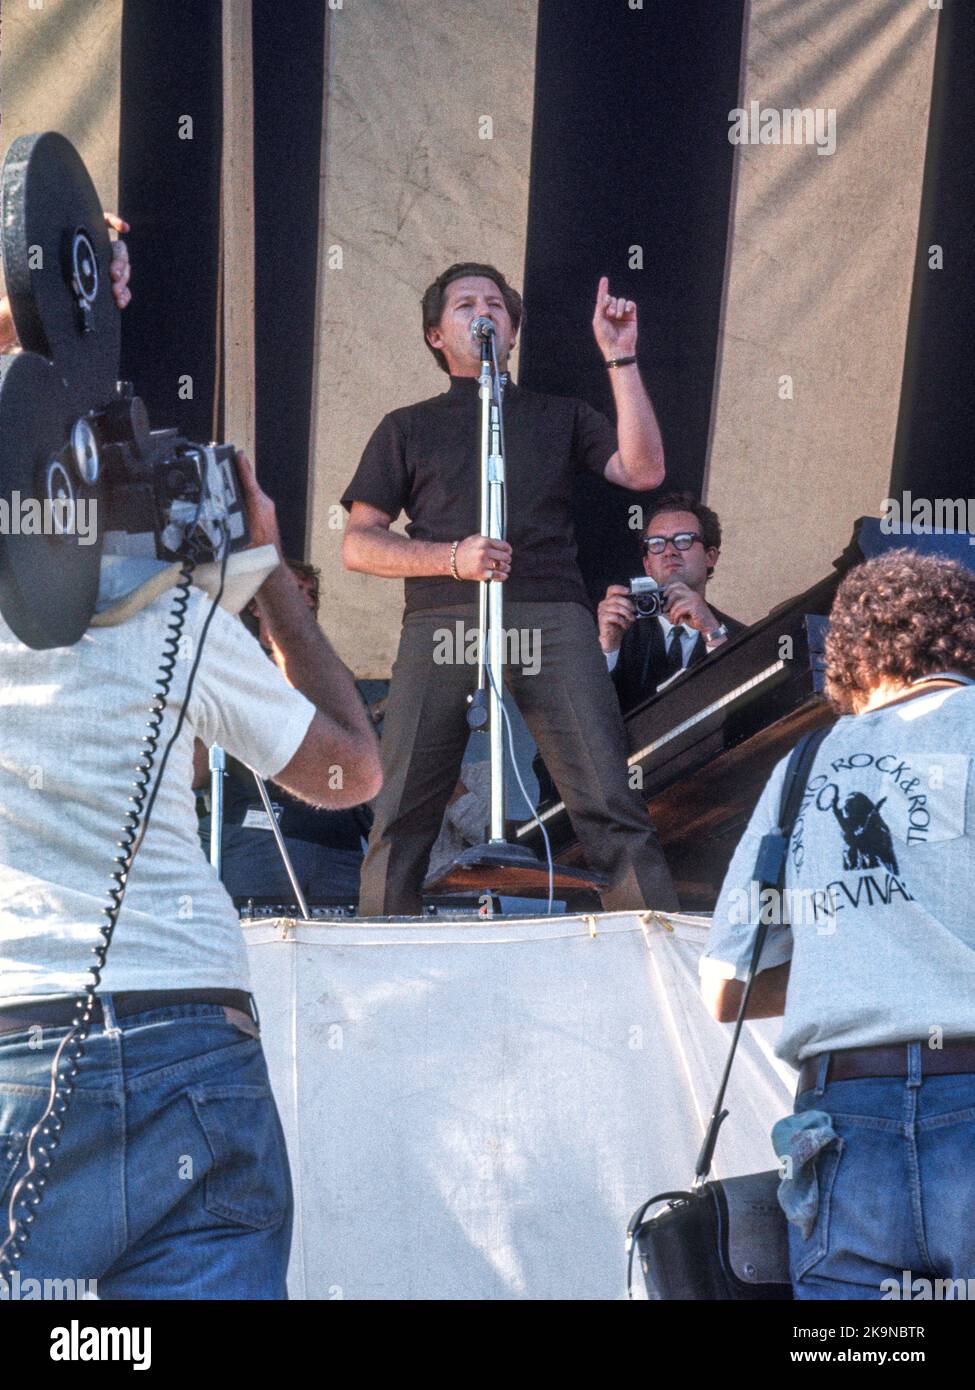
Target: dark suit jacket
[[642, 662], [641, 666]]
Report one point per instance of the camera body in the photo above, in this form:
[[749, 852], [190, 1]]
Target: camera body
[[162, 493], [649, 599], [76, 448]]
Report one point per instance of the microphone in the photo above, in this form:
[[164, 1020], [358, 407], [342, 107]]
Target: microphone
[[482, 328]]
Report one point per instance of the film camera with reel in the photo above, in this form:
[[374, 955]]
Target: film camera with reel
[[78, 460]]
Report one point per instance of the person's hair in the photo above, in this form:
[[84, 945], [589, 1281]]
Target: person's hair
[[308, 572], [435, 294], [707, 520], [896, 618]]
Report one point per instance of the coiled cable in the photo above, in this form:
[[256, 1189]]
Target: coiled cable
[[44, 1137]]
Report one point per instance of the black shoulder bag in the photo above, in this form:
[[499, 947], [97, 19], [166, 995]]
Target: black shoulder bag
[[727, 1239]]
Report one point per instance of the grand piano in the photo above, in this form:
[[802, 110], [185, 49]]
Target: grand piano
[[705, 746]]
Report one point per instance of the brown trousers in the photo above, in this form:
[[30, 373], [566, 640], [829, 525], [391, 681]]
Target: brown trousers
[[571, 708]]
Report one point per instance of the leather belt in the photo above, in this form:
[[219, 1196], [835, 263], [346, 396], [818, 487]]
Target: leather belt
[[59, 1012], [955, 1057]]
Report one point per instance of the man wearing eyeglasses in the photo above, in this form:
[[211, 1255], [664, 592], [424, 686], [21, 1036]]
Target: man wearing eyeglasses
[[681, 543]]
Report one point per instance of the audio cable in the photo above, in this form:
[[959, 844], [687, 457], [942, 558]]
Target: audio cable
[[506, 720], [45, 1135]]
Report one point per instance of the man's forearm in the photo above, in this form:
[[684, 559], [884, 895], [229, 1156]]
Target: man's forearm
[[305, 655], [641, 447], [767, 999], [377, 550]]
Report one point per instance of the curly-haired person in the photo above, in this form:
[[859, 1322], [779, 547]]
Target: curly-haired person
[[873, 961]]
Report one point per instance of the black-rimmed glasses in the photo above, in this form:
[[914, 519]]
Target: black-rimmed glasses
[[656, 545]]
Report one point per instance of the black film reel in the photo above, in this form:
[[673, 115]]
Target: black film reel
[[57, 255], [50, 493]]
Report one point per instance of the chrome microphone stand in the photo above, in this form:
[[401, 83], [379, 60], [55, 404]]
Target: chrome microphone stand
[[486, 704], [497, 865], [218, 766], [282, 848]]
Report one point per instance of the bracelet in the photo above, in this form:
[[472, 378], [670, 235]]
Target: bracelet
[[620, 361], [453, 559]]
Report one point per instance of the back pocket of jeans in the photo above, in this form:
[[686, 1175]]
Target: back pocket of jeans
[[248, 1182], [806, 1253]]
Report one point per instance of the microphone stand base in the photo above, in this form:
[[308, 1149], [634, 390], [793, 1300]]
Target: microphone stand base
[[499, 854], [499, 867]]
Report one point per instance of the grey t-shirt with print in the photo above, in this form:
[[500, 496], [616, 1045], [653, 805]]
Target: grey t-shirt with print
[[880, 882]]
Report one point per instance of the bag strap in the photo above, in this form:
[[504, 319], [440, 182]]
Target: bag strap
[[769, 873]]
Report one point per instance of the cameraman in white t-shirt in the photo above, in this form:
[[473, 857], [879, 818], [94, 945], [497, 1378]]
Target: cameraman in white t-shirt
[[873, 964], [170, 1179]]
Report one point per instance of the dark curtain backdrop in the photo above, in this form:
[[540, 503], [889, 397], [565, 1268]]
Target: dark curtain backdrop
[[289, 43], [630, 147], [936, 423], [169, 191]]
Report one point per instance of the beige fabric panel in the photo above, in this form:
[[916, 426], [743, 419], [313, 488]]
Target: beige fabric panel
[[237, 183], [818, 282], [409, 186], [59, 70]]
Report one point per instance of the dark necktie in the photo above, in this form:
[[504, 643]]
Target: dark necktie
[[675, 652]]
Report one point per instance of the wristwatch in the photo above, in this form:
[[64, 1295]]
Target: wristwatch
[[717, 634]]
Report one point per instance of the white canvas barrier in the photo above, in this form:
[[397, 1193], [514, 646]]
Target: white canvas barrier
[[473, 1110]]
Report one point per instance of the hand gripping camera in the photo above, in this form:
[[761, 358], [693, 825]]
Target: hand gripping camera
[[81, 472], [648, 597]]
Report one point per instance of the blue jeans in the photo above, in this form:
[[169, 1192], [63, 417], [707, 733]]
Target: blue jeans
[[897, 1193], [171, 1178]]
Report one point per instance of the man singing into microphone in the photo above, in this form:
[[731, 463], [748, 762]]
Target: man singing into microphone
[[423, 460]]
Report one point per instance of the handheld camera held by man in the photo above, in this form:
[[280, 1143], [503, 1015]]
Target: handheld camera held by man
[[681, 543], [81, 471]]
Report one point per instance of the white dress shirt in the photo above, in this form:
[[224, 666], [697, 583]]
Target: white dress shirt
[[688, 637]]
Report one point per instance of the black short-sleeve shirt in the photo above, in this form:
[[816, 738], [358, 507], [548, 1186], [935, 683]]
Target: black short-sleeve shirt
[[424, 460]]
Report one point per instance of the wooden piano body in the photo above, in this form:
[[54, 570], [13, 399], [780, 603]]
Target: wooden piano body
[[701, 751]]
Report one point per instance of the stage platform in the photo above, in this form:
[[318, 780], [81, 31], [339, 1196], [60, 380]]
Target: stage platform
[[474, 1108]]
